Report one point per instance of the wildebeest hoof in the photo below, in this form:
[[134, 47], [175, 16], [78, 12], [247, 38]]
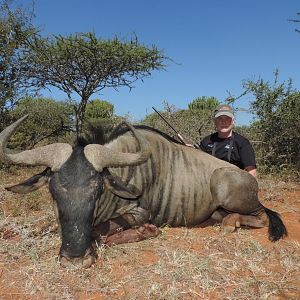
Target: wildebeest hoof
[[230, 222], [149, 230], [228, 229]]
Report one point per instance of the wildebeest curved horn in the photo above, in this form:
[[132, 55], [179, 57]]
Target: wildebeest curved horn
[[53, 155], [100, 156]]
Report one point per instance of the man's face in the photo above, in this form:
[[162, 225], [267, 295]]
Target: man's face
[[224, 124]]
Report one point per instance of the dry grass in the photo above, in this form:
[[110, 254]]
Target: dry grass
[[194, 263]]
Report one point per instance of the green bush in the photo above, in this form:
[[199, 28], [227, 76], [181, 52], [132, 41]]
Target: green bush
[[277, 107], [98, 109], [193, 123], [47, 120]]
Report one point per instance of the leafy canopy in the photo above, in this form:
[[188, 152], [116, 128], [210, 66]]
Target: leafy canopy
[[84, 64]]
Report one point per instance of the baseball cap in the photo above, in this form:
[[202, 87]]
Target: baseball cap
[[223, 110]]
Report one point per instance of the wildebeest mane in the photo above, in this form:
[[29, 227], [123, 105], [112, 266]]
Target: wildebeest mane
[[105, 133]]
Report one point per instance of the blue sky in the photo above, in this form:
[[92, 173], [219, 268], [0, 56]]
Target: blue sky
[[217, 44]]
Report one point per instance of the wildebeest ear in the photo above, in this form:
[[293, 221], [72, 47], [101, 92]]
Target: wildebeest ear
[[119, 188], [31, 184]]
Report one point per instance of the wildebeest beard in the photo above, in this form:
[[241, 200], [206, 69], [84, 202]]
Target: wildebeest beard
[[75, 189]]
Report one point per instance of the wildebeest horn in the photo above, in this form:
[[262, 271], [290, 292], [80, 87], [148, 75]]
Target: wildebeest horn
[[53, 155], [100, 156]]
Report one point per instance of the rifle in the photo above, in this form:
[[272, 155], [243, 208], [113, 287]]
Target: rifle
[[181, 139]]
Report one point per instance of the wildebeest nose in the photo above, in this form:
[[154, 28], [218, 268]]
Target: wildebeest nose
[[78, 262]]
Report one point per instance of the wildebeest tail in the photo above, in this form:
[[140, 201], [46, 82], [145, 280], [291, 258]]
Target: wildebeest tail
[[277, 229]]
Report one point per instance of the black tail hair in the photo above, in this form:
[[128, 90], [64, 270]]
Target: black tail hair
[[277, 229]]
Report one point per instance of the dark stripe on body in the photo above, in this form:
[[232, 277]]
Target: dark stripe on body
[[168, 188]]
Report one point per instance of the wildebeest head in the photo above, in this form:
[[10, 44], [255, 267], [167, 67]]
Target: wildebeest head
[[76, 179]]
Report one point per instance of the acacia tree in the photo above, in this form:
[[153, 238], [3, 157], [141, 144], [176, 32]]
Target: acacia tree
[[15, 29], [84, 64]]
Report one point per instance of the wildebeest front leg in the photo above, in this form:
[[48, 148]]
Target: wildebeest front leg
[[132, 235], [130, 227], [110, 227]]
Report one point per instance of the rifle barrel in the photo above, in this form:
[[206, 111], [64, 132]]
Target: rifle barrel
[[165, 120], [177, 133]]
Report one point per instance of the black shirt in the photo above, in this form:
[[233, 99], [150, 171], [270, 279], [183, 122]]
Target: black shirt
[[241, 154]]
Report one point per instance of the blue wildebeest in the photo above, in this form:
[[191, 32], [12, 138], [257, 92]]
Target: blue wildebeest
[[140, 179]]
